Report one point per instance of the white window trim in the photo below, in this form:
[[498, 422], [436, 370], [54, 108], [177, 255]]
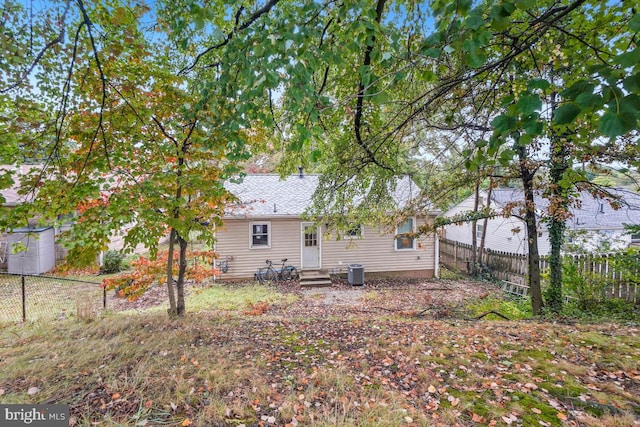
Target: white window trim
[[269, 232], [347, 236], [415, 239]]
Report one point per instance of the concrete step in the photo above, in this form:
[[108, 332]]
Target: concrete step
[[315, 278], [314, 273], [317, 283]]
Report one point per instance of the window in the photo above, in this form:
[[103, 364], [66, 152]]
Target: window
[[479, 230], [354, 232], [635, 237], [310, 236], [260, 237], [404, 239]]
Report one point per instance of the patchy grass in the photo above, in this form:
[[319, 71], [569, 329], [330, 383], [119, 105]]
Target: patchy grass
[[512, 309], [224, 297], [252, 298], [232, 363]]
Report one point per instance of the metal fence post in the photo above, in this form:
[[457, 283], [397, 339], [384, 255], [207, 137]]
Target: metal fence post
[[24, 300], [104, 297]]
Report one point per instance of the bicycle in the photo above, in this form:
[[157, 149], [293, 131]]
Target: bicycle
[[269, 273]]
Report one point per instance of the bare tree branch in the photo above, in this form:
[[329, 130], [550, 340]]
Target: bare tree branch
[[58, 40]]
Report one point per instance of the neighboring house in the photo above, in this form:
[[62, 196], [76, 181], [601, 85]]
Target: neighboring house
[[269, 224], [594, 224]]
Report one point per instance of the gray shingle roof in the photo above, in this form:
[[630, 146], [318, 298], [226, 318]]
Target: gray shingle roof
[[591, 213], [267, 195]]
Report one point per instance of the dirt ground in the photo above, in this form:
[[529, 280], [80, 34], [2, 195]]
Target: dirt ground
[[429, 298]]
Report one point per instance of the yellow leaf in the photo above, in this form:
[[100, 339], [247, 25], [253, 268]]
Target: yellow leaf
[[186, 422], [561, 416], [115, 396], [432, 389]]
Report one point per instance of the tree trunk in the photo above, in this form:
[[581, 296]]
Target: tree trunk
[[474, 232], [559, 206], [180, 306], [533, 259], [172, 298], [485, 222], [558, 211]]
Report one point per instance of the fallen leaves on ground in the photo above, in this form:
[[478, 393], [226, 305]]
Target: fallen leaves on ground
[[354, 362]]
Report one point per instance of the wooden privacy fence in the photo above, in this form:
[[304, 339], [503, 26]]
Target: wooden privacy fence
[[511, 269]]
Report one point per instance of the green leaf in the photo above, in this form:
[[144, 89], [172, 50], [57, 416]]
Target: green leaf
[[632, 83], [528, 104], [628, 59], [433, 52], [475, 59], [399, 76], [526, 4], [509, 7], [315, 156], [533, 128], [474, 21], [581, 86], [503, 123], [538, 84], [587, 100], [630, 104], [634, 23], [506, 156], [525, 140], [613, 125], [566, 114], [380, 96]]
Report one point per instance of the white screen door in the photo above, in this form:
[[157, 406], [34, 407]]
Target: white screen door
[[310, 246]]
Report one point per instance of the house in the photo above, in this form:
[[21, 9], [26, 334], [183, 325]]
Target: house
[[594, 223], [269, 224]]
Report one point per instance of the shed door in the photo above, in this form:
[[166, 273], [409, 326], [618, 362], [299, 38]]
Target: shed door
[[310, 246]]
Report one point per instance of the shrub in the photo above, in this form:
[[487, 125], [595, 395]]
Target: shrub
[[586, 287], [145, 272], [112, 262]]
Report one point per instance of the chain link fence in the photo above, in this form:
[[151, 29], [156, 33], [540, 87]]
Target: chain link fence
[[44, 298]]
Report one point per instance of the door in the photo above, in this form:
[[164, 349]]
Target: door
[[310, 246]]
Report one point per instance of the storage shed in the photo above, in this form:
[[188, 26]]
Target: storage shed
[[39, 255]]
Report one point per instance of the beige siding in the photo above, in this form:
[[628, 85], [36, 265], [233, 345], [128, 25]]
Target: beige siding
[[375, 250], [232, 243]]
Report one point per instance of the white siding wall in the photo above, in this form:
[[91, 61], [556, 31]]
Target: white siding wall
[[500, 234], [375, 251]]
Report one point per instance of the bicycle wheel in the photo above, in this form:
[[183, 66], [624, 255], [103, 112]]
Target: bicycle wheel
[[292, 273], [285, 274], [270, 275], [261, 275]]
